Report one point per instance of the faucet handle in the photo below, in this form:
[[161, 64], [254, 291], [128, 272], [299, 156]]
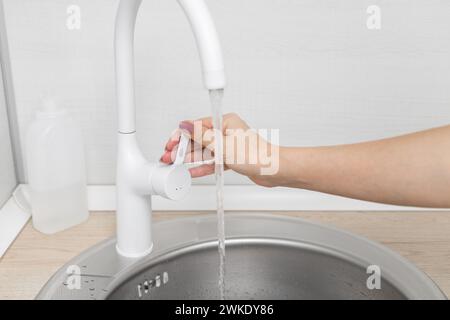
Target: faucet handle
[[173, 181], [182, 149]]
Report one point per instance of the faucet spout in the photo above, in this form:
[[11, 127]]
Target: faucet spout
[[136, 178], [207, 41]]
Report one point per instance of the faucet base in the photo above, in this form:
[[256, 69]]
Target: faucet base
[[135, 255], [133, 197]]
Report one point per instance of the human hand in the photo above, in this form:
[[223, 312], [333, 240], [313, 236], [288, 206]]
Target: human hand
[[245, 151]]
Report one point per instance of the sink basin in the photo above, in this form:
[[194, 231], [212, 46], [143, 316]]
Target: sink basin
[[268, 257]]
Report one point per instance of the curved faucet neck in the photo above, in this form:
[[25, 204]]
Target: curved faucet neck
[[207, 43]]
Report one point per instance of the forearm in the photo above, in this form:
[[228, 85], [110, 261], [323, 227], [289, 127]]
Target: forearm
[[409, 170]]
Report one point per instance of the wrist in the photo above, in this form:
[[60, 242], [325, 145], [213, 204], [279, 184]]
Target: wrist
[[279, 174], [292, 167]]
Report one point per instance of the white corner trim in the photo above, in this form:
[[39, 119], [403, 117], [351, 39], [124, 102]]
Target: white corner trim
[[12, 219], [246, 198]]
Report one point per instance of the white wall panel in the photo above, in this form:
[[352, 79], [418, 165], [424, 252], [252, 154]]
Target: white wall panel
[[7, 172], [308, 67]]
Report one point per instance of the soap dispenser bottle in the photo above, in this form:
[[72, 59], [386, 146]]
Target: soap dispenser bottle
[[56, 170]]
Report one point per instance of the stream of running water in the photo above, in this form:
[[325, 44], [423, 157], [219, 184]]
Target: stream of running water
[[216, 97]]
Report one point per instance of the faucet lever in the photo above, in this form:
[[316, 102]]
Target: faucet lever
[[182, 149], [173, 181]]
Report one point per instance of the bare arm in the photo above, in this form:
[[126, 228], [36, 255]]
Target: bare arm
[[412, 170]]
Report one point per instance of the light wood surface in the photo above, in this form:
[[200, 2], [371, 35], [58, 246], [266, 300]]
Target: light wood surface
[[421, 237]]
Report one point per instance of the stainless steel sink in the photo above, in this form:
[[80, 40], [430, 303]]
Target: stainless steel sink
[[268, 257]]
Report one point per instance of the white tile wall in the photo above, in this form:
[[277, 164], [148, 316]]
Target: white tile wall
[[7, 171], [308, 67]]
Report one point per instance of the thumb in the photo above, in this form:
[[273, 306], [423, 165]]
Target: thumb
[[201, 131]]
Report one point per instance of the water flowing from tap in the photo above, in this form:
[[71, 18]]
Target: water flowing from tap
[[216, 97]]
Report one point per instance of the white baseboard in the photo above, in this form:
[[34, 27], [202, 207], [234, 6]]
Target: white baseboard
[[236, 198], [246, 198], [16, 212]]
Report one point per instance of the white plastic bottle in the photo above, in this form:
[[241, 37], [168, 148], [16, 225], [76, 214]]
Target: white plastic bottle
[[56, 170]]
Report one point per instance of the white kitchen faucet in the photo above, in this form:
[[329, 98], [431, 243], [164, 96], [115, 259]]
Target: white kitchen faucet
[[137, 179]]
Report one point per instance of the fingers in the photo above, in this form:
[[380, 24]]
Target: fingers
[[200, 130], [170, 146], [198, 155], [187, 125], [173, 140], [195, 153], [166, 157], [201, 171], [202, 135]]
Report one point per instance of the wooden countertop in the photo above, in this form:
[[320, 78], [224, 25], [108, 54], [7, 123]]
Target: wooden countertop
[[421, 237]]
